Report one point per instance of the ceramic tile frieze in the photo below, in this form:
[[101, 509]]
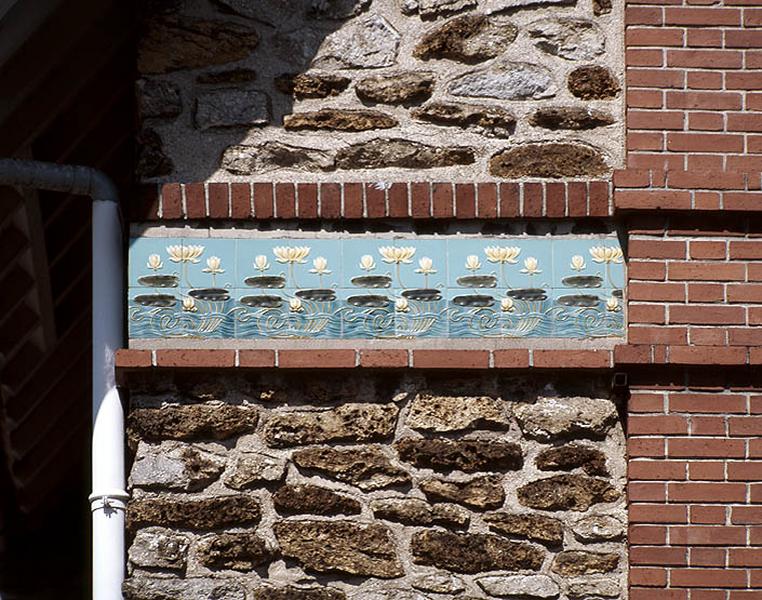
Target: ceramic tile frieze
[[362, 287]]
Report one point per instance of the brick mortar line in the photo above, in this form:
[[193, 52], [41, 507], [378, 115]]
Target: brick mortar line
[[597, 359]]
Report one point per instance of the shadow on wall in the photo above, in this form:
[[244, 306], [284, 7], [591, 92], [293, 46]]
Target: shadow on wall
[[458, 88], [220, 70]]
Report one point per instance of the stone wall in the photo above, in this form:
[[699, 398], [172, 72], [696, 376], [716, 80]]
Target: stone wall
[[450, 89], [403, 487]]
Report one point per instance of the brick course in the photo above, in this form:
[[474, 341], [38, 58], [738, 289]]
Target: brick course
[[694, 519], [283, 201]]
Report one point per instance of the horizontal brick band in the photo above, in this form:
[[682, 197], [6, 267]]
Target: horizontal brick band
[[342, 358], [654, 354], [417, 200], [652, 190], [467, 359]]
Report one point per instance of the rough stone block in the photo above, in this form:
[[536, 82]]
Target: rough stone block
[[212, 512], [567, 492], [469, 456], [346, 423], [534, 527], [159, 548], [558, 418], [149, 588], [367, 468], [174, 466], [232, 108], [479, 493], [240, 551], [412, 511], [434, 412], [314, 500], [192, 422], [340, 546], [473, 553]]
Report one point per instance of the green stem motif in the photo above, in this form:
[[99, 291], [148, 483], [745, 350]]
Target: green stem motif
[[399, 275], [185, 274], [426, 280], [504, 277], [292, 274], [608, 276]]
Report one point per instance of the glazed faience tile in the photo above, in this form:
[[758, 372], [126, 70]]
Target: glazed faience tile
[[379, 288], [590, 313], [285, 314], [588, 264], [150, 263], [367, 313]]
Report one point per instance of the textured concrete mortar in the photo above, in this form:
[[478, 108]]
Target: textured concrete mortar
[[196, 154], [394, 547]]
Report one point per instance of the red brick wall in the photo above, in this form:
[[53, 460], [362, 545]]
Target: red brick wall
[[695, 282], [693, 84], [695, 493], [694, 81]]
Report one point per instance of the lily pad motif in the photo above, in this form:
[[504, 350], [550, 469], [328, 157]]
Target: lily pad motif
[[263, 301]]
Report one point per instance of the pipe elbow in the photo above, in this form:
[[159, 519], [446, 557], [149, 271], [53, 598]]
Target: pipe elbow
[[102, 188], [73, 179]]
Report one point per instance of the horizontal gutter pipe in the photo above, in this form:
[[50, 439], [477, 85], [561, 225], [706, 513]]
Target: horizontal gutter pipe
[[108, 498]]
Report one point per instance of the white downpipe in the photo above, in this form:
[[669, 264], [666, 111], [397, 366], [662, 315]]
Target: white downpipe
[[108, 499]]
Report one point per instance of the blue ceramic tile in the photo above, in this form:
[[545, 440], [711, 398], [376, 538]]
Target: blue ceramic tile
[[257, 266], [367, 313], [473, 312], [149, 264], [469, 266], [180, 314], [293, 263], [207, 264], [590, 313], [284, 314], [419, 264], [588, 263], [375, 288], [534, 266], [259, 313], [421, 317], [363, 265]]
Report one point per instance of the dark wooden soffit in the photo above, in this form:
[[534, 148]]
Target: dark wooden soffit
[[66, 95]]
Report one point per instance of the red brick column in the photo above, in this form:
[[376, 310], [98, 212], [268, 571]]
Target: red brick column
[[692, 200], [695, 493]]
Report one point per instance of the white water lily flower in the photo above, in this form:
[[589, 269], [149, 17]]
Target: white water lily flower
[[291, 254], [531, 266], [295, 305], [261, 264], [189, 304], [426, 266], [606, 254], [506, 305], [213, 264], [577, 263], [397, 254], [502, 254], [187, 254], [401, 305], [612, 304], [472, 263], [367, 263], [320, 266], [154, 262]]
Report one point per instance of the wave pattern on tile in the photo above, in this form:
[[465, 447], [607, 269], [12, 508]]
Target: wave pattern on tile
[[372, 288]]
